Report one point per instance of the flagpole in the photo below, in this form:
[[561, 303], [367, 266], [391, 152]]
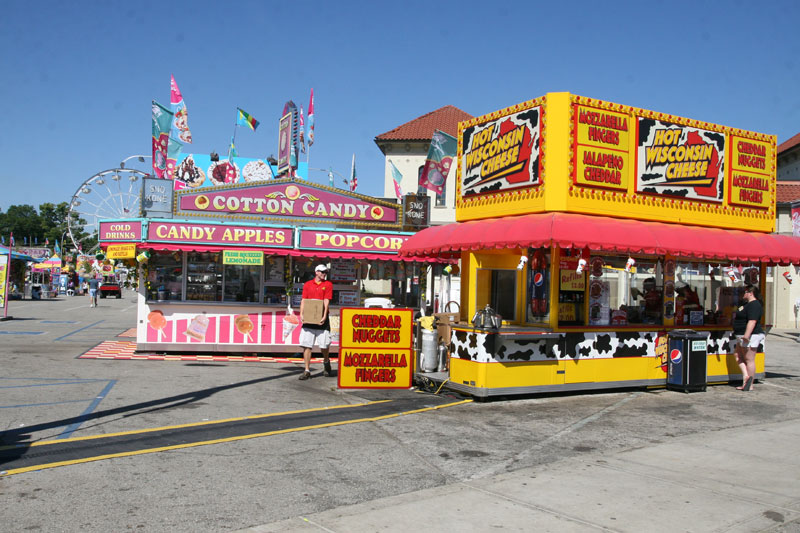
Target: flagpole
[[235, 125], [8, 275]]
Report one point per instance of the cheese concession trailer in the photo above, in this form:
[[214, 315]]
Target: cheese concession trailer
[[598, 232]]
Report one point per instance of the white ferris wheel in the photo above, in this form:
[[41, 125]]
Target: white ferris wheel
[[110, 194]]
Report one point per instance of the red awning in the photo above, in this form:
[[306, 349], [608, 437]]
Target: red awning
[[166, 247], [570, 230]]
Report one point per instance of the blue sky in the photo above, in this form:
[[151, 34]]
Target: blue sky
[[78, 77]]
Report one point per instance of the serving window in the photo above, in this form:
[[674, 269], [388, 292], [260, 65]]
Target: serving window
[[497, 288], [625, 291], [709, 293]]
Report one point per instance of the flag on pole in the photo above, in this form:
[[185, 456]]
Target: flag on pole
[[246, 120], [173, 151], [180, 121], [232, 151], [353, 177], [57, 249], [302, 132], [397, 178], [162, 118], [437, 165], [311, 119], [11, 240]]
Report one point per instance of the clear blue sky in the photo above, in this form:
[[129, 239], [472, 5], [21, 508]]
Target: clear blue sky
[[78, 77]]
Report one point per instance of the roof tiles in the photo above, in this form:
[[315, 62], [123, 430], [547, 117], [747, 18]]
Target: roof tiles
[[444, 119]]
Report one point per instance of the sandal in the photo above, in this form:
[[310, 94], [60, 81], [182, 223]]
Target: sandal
[[746, 385]]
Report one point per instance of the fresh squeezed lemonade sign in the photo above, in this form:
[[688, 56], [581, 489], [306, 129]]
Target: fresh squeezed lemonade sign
[[375, 348]]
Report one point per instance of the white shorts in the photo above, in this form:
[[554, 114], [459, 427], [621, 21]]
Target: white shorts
[[322, 337], [756, 339]]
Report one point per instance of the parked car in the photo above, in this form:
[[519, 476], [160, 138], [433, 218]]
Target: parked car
[[110, 288]]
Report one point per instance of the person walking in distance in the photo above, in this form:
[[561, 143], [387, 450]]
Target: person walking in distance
[[749, 334], [319, 332], [93, 286]]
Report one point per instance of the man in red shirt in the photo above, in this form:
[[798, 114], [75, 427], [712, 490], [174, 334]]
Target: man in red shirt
[[318, 288]]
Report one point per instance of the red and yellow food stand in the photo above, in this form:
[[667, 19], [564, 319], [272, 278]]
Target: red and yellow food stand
[[225, 271], [595, 230]]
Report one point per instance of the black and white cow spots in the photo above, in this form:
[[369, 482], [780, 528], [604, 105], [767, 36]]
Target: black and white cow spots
[[493, 348]]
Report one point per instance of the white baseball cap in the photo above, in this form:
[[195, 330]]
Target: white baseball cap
[[321, 268]]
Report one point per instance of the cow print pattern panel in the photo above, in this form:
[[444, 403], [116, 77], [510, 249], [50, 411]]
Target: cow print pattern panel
[[477, 346]]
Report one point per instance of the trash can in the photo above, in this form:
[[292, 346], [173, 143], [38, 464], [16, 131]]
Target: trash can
[[686, 365], [36, 292]]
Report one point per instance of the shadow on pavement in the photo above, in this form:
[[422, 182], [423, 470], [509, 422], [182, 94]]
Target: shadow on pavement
[[14, 443]]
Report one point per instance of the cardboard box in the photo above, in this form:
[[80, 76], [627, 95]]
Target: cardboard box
[[312, 311]]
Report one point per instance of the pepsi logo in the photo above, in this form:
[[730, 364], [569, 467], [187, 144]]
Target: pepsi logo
[[538, 279], [675, 356]]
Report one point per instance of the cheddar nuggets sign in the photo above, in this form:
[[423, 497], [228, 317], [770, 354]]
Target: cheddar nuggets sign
[[375, 348]]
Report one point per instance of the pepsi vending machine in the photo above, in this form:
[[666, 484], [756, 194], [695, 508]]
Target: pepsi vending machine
[[686, 369]]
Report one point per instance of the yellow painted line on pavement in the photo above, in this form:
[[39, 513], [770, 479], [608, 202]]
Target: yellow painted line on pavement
[[217, 441], [193, 424]]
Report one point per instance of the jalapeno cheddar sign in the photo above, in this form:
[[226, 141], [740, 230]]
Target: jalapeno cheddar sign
[[375, 348], [601, 148]]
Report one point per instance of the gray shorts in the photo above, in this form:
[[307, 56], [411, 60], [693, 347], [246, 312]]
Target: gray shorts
[[308, 337]]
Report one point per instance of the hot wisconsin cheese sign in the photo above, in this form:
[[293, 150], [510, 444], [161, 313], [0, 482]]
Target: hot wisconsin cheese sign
[[375, 348]]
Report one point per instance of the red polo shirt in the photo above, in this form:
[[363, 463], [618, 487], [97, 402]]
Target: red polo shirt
[[318, 291]]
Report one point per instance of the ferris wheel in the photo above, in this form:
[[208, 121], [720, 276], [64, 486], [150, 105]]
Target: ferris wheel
[[110, 194]]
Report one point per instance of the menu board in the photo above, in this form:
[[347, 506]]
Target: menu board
[[601, 148], [348, 297], [343, 271]]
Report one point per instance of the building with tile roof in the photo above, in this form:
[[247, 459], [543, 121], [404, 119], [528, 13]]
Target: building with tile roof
[[789, 159], [783, 302], [407, 147]]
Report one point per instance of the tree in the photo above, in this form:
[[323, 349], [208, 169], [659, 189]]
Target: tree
[[23, 221], [54, 220]]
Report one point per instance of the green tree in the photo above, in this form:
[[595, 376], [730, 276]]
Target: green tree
[[24, 222], [54, 220]]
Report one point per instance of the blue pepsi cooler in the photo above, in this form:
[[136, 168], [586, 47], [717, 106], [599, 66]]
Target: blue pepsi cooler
[[688, 353]]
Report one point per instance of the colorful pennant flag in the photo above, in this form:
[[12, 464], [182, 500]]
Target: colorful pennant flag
[[57, 248], [437, 165], [11, 240], [162, 119], [311, 119], [180, 121], [353, 177], [302, 130], [397, 178], [246, 120]]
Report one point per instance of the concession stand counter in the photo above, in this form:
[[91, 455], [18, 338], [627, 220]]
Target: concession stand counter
[[594, 230], [225, 271]]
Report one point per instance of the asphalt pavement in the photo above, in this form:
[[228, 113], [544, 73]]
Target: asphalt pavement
[[621, 460]]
